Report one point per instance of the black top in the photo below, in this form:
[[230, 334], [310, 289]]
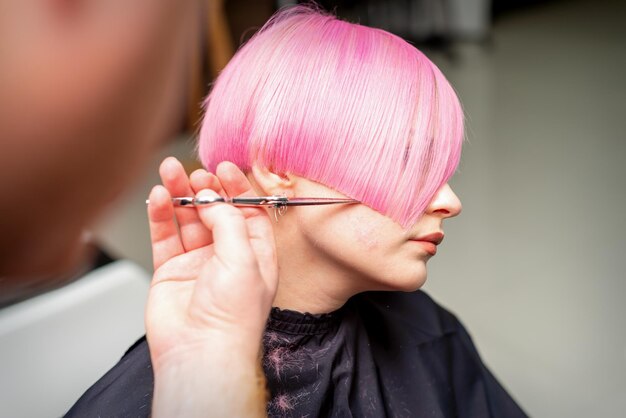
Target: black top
[[383, 354]]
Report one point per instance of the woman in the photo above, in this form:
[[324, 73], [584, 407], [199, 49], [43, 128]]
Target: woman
[[316, 107]]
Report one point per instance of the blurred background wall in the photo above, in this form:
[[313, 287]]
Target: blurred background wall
[[535, 265]]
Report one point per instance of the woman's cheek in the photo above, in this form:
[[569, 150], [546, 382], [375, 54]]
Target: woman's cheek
[[367, 232]]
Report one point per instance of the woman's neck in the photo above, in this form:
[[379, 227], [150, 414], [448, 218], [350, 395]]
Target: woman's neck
[[308, 284], [300, 294]]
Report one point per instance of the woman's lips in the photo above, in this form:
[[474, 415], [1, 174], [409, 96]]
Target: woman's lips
[[428, 246], [429, 242]]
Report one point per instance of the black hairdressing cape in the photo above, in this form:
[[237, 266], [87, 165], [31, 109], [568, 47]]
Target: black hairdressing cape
[[383, 354]]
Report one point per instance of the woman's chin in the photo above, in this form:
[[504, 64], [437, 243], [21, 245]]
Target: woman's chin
[[413, 285], [406, 283], [412, 279]]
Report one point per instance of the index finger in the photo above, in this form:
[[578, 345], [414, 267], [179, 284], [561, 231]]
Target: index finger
[[233, 180], [193, 233], [236, 184]]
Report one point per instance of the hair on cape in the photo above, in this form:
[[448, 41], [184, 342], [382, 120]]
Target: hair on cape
[[354, 108]]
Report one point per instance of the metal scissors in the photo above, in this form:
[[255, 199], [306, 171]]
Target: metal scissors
[[271, 201]]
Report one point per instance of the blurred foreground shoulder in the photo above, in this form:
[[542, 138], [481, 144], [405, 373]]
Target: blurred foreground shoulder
[[126, 390]]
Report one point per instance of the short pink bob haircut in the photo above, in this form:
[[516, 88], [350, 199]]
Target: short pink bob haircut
[[351, 107]]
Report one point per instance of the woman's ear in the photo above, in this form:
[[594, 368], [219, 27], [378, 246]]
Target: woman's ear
[[272, 183]]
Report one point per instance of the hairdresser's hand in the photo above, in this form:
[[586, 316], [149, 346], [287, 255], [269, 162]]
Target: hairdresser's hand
[[215, 279]]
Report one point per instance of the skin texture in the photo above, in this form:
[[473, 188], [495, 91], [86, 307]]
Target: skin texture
[[326, 254]]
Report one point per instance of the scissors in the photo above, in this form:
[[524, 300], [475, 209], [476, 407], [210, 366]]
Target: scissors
[[271, 201]]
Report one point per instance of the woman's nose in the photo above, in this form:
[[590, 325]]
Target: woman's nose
[[445, 203]]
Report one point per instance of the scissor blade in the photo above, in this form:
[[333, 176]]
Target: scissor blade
[[310, 201]]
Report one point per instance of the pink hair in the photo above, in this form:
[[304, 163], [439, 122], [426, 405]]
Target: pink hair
[[354, 108]]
